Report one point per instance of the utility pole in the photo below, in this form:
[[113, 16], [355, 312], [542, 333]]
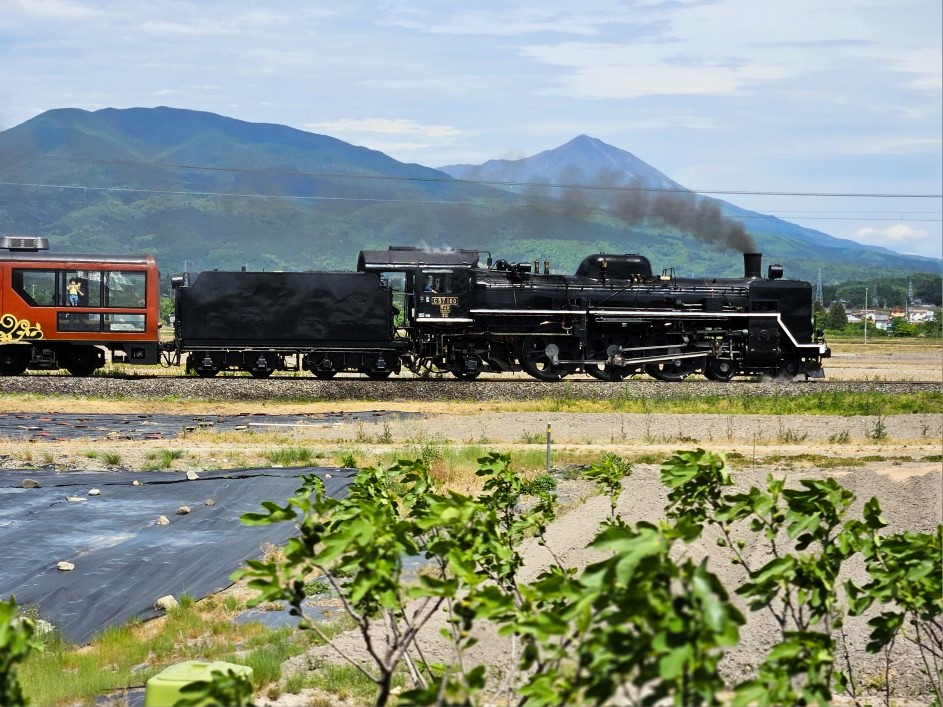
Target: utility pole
[[865, 315], [910, 296]]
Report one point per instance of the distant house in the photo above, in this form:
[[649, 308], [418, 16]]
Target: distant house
[[920, 315]]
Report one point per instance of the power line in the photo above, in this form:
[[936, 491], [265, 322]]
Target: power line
[[482, 182], [840, 218], [290, 197]]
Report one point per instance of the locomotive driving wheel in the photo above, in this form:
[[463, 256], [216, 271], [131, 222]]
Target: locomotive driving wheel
[[789, 367], [671, 369], [607, 372], [720, 369], [538, 352], [604, 372]]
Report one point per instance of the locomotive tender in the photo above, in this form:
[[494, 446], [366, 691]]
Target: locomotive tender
[[423, 310]]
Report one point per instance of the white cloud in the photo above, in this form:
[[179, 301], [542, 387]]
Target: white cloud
[[67, 10], [193, 28], [620, 71], [894, 237], [720, 47], [518, 19], [185, 90]]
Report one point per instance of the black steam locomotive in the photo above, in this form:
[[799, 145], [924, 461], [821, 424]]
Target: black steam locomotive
[[444, 311]]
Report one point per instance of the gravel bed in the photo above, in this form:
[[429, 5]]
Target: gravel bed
[[406, 390]]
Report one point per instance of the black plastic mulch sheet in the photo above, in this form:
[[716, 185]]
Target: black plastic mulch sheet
[[123, 560], [63, 426]]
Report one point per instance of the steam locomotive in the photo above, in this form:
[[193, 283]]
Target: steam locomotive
[[423, 310]]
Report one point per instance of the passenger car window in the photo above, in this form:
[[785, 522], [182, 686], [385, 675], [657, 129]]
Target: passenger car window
[[36, 287], [78, 321], [81, 288], [125, 322], [125, 289]]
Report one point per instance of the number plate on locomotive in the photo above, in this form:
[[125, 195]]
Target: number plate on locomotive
[[443, 300]]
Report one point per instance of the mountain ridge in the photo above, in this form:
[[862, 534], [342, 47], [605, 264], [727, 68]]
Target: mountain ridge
[[197, 187]]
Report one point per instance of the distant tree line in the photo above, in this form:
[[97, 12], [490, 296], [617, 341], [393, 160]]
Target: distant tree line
[[835, 320], [887, 292]]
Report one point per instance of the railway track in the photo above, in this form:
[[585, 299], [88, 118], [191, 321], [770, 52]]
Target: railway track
[[300, 389]]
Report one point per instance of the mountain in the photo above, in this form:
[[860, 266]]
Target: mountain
[[200, 190], [213, 191], [613, 175], [583, 160]]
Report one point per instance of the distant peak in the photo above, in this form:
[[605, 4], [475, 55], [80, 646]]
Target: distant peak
[[581, 139]]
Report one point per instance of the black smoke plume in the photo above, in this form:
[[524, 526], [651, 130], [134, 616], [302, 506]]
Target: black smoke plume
[[635, 203], [686, 211]]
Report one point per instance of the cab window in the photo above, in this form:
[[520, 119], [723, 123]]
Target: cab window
[[437, 282]]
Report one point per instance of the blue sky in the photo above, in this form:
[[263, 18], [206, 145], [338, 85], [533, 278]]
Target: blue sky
[[794, 96]]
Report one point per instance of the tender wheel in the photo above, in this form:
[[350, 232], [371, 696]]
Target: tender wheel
[[675, 370], [203, 364], [378, 375], [261, 364], [466, 375], [82, 361], [325, 375], [536, 360], [14, 360], [720, 369]]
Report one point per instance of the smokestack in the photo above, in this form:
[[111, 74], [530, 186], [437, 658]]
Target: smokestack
[[752, 264]]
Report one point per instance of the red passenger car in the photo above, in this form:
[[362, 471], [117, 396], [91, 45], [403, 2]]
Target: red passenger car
[[65, 311]]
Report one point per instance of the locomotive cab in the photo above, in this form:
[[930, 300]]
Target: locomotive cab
[[441, 295], [437, 285]]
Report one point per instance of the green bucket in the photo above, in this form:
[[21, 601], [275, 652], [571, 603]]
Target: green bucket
[[163, 690]]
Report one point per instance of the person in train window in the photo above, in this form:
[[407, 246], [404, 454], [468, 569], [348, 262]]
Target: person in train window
[[74, 289]]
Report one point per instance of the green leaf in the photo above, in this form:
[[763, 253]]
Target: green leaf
[[672, 666]]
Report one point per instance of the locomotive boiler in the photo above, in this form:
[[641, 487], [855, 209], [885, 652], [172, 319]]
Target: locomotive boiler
[[611, 319]]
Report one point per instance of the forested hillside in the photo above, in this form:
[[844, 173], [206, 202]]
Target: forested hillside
[[201, 191]]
